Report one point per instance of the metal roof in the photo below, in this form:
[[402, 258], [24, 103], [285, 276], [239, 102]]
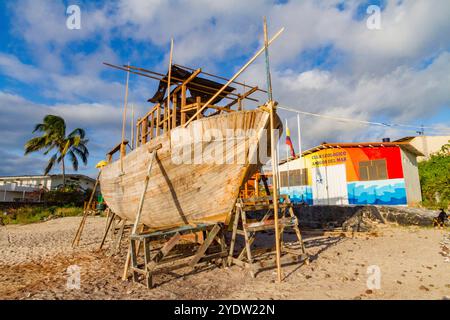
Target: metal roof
[[403, 145]]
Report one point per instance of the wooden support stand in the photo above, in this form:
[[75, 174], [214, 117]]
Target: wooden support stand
[[146, 266], [291, 252]]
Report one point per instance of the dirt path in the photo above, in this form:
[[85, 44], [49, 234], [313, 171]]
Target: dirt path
[[34, 261]]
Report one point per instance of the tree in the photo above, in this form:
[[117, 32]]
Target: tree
[[435, 179], [54, 139]]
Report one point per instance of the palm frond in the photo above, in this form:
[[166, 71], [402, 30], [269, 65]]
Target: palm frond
[[77, 132], [73, 159], [35, 144], [82, 154], [39, 127], [55, 125], [50, 164], [66, 147]]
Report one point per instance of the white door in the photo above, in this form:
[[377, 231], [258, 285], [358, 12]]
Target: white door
[[330, 185]]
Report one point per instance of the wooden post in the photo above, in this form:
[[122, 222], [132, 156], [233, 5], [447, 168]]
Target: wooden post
[[174, 111], [144, 130], [273, 153], [168, 84], [132, 127], [140, 206], [183, 104], [124, 117], [199, 104], [110, 219], [77, 238], [138, 131], [152, 125], [123, 151], [158, 120]]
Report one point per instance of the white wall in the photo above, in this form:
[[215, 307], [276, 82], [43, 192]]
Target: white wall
[[429, 145]]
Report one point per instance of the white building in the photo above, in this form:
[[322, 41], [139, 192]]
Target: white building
[[27, 188], [426, 144]]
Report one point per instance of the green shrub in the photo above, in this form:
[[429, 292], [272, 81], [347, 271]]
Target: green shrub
[[25, 215], [435, 179], [63, 197]]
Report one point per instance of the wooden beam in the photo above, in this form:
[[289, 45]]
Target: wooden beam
[[245, 95], [233, 78], [168, 85], [124, 119], [117, 147], [219, 77], [173, 78]]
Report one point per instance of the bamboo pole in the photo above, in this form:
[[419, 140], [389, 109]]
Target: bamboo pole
[[219, 77], [132, 126], [77, 238], [124, 116], [274, 153], [233, 78], [140, 206], [168, 84]]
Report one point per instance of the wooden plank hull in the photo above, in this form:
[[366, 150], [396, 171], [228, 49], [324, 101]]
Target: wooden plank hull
[[183, 193]]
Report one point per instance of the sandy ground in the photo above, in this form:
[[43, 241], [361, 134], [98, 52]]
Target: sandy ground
[[34, 260]]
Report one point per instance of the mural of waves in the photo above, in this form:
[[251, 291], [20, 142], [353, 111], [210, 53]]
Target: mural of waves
[[299, 194], [382, 192]]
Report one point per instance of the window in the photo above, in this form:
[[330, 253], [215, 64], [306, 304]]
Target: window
[[373, 170], [297, 177]]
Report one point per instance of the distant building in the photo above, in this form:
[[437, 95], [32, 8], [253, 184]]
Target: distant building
[[426, 144], [382, 173], [29, 188]]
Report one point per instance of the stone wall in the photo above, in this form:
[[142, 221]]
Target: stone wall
[[348, 217]]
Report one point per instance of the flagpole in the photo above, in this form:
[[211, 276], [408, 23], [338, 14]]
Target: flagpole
[[287, 161], [299, 136]]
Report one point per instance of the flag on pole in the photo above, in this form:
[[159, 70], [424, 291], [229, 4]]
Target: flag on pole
[[289, 142]]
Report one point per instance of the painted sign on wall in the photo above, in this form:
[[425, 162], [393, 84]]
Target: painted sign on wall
[[363, 175]]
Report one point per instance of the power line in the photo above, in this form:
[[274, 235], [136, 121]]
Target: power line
[[381, 124]]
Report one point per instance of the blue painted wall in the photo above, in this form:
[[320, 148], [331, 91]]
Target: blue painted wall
[[298, 194], [383, 192]]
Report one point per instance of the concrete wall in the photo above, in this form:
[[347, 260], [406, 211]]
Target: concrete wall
[[323, 217], [428, 145]]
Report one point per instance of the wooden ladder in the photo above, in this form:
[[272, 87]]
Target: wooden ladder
[[292, 252]]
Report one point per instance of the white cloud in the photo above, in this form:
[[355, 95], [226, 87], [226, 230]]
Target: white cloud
[[377, 74]]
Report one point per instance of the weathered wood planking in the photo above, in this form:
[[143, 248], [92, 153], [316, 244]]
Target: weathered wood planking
[[179, 194]]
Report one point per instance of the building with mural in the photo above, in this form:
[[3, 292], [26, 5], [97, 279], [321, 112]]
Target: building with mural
[[379, 173]]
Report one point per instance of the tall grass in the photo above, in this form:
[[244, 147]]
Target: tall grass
[[25, 215]]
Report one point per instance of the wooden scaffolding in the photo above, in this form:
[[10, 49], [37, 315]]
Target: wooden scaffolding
[[293, 252]]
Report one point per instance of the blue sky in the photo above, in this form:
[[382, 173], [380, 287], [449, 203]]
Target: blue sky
[[327, 61]]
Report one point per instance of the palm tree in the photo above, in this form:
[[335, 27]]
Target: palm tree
[[54, 138]]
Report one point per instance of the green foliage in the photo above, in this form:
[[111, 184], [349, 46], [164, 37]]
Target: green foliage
[[26, 215], [63, 197], [54, 139], [435, 179]]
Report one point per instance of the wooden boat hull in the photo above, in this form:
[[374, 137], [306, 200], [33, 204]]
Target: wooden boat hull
[[180, 194]]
